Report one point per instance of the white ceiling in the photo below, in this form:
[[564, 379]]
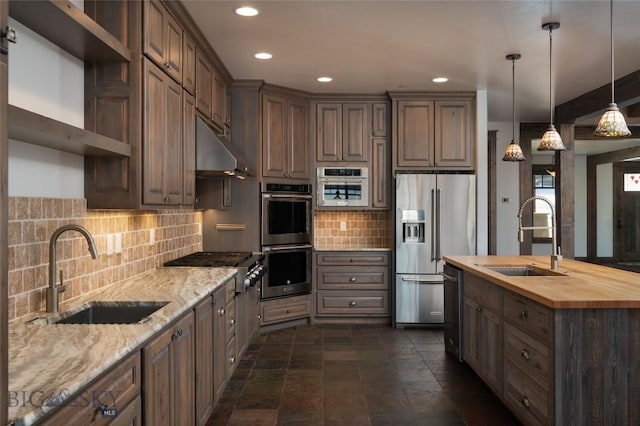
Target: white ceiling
[[378, 46]]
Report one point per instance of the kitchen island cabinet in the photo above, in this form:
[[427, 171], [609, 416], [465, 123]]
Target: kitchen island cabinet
[[569, 339]]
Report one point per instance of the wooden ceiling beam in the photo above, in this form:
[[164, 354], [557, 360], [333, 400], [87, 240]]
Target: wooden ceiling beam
[[627, 92]]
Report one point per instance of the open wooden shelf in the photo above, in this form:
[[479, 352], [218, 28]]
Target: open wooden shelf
[[69, 28], [29, 127]]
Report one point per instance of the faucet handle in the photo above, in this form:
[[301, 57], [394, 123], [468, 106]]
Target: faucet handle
[[559, 253], [61, 287]]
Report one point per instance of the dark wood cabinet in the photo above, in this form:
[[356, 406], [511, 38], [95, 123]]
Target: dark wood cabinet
[[204, 84], [285, 131], [204, 353], [342, 132], [219, 96], [188, 63], [379, 119], [4, 217], [169, 375], [219, 342], [433, 132], [188, 149], [162, 136], [380, 179], [163, 38]]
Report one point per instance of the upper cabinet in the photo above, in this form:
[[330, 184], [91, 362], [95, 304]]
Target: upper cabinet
[[188, 64], [342, 132], [204, 84], [285, 133], [163, 39], [433, 131]]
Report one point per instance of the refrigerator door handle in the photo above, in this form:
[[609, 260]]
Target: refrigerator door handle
[[421, 280], [434, 255], [438, 227]]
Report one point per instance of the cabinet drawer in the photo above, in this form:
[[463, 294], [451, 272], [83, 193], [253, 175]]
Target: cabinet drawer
[[528, 315], [114, 389], [231, 353], [230, 287], [231, 319], [525, 397], [483, 292], [131, 415], [342, 278], [353, 258], [353, 303], [289, 308], [529, 354]]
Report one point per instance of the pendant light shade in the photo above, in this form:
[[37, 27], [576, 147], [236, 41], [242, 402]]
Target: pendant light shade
[[612, 124], [551, 140], [513, 151]]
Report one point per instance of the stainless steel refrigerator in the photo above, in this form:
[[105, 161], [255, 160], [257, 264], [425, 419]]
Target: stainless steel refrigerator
[[435, 216]]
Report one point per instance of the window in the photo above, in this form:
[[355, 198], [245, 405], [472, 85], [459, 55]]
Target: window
[[544, 185]]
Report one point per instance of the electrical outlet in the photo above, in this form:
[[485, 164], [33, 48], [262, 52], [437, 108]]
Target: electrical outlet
[[109, 244], [343, 225], [152, 236], [200, 229], [118, 242], [505, 200]]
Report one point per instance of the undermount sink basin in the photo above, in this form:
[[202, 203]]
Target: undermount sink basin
[[525, 271], [112, 313]]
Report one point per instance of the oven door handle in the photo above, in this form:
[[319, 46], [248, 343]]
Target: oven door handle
[[282, 248], [301, 196]]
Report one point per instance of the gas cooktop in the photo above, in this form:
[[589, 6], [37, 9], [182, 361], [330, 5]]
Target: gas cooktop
[[212, 258]]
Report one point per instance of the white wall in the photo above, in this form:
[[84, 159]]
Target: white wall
[[507, 187], [604, 191], [482, 174], [48, 81]]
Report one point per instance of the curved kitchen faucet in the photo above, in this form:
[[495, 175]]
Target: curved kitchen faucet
[[556, 257], [54, 289]]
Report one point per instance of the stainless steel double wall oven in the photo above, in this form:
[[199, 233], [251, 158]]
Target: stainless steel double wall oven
[[286, 239]]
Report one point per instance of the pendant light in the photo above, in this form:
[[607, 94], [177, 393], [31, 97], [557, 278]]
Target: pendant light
[[513, 151], [612, 124], [551, 140]]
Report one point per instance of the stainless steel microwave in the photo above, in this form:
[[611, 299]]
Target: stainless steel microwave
[[343, 186]]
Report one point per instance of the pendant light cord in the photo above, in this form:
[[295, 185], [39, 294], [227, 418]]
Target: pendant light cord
[[513, 100], [550, 79], [612, 60]]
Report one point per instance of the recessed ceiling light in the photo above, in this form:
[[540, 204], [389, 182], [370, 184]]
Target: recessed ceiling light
[[246, 11], [325, 79], [440, 80], [263, 55]]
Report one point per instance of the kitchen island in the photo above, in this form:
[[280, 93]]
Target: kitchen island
[[49, 363], [558, 347]]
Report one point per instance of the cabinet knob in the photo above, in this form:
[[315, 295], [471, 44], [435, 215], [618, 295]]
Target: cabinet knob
[[352, 279], [523, 314], [352, 303], [259, 316], [233, 321], [232, 360], [288, 311], [178, 333], [526, 355], [526, 402], [221, 311], [479, 309]]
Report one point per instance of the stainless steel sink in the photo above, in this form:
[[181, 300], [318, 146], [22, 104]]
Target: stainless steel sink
[[524, 271], [111, 313]]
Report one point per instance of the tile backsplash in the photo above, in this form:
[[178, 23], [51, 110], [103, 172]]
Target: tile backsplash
[[148, 239], [353, 229]]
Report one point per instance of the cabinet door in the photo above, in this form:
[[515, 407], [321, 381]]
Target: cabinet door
[[253, 310], [204, 91], [454, 145], [204, 360], [219, 95], [274, 122], [240, 301], [379, 119], [155, 27], [379, 175], [298, 136], [188, 63], [173, 59], [183, 347], [329, 132], [173, 176], [471, 333], [491, 350], [355, 132], [158, 380], [219, 343], [155, 89], [415, 134], [188, 150]]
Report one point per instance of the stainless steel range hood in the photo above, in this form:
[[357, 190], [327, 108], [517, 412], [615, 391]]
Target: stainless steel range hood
[[216, 157]]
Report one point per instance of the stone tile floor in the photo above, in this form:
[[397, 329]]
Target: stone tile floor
[[355, 375]]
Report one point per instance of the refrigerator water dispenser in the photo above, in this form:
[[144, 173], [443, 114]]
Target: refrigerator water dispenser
[[413, 226]]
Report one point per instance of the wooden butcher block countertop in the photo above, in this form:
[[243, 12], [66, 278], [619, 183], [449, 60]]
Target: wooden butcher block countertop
[[581, 285]]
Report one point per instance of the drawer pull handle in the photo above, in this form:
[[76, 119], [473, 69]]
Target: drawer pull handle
[[352, 303], [526, 402], [288, 311], [479, 309], [352, 279], [232, 360], [526, 355], [523, 314], [178, 333], [233, 321], [101, 409], [221, 311]]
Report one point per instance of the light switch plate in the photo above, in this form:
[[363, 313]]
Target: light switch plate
[[343, 225], [152, 236]]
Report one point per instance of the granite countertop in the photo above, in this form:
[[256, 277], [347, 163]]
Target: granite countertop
[[51, 360], [581, 285]]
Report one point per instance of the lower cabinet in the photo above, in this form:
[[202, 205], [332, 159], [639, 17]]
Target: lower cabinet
[[285, 309], [219, 342], [169, 375], [204, 320], [352, 284], [95, 406]]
